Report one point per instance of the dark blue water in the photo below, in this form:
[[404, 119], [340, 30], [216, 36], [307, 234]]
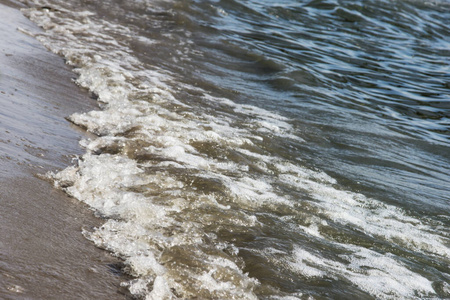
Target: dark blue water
[[299, 148]]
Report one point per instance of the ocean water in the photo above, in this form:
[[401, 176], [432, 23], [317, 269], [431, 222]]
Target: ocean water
[[254, 149]]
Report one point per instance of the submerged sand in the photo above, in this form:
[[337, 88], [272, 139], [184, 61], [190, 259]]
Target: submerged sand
[[43, 254]]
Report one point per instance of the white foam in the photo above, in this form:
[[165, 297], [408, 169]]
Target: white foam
[[161, 290], [379, 275], [369, 215], [102, 181]]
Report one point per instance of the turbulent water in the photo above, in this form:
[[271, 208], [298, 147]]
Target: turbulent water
[[254, 149]]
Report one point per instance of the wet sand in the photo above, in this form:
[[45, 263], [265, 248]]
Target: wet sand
[[43, 254]]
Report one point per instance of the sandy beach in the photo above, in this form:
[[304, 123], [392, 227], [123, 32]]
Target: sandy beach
[[43, 254]]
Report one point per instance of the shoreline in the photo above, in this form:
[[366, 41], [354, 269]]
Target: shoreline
[[43, 254]]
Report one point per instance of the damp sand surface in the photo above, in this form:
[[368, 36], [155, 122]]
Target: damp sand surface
[[43, 254]]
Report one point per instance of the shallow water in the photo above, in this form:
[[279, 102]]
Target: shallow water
[[248, 149]]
